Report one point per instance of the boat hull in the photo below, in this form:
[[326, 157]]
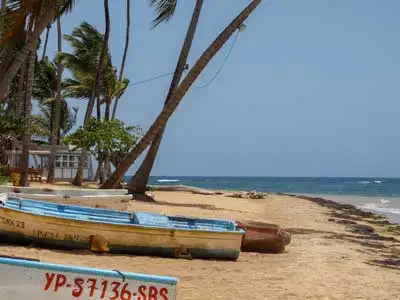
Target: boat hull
[[62, 191], [27, 228], [263, 237], [20, 279]]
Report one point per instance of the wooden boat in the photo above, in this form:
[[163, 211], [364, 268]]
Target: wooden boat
[[75, 198], [103, 230], [62, 191], [263, 237], [21, 279]]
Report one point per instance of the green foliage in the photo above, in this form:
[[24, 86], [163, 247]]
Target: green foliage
[[101, 137], [3, 179], [11, 127], [45, 91], [3, 174]]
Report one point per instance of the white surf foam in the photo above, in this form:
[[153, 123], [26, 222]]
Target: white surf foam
[[381, 209], [168, 180], [384, 201]]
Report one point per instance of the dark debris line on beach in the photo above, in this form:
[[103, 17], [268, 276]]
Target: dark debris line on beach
[[364, 235]]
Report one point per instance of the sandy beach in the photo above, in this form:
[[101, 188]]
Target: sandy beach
[[336, 252]]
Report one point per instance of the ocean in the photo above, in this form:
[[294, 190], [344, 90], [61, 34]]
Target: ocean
[[380, 195]]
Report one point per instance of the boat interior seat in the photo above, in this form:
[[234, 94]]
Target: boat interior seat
[[150, 219]]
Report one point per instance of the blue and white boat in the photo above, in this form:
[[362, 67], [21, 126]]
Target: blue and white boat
[[24, 279], [103, 230]]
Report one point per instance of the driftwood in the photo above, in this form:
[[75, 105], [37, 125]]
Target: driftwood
[[182, 188], [200, 191], [263, 237], [247, 195]]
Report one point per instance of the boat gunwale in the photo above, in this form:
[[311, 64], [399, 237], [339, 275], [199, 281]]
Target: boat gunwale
[[14, 195], [89, 271], [117, 211], [125, 226]]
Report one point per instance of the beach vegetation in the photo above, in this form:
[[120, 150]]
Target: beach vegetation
[[35, 92]]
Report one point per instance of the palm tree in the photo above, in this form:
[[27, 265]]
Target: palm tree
[[56, 120], [45, 91], [95, 93], [113, 89], [41, 13], [179, 93], [24, 180], [121, 70], [165, 9], [42, 123], [139, 182], [87, 44]]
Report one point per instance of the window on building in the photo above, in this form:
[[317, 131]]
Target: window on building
[[69, 161]]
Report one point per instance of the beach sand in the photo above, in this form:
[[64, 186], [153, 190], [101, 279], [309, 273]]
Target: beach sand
[[329, 257]]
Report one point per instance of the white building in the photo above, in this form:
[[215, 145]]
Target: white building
[[67, 159]]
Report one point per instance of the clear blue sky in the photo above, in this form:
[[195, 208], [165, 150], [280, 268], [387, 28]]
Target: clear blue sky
[[311, 87]]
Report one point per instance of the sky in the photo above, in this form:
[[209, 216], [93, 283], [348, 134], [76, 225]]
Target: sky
[[310, 88]]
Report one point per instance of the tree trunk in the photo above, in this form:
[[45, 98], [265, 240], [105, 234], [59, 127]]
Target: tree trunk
[[21, 91], [52, 118], [139, 181], [78, 179], [3, 6], [98, 108], [24, 180], [96, 91], [108, 109], [107, 167], [7, 53], [30, 46], [45, 41], [101, 172], [180, 92], [121, 71], [56, 121], [3, 11], [97, 175]]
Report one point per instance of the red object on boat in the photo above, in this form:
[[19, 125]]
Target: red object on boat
[[263, 237]]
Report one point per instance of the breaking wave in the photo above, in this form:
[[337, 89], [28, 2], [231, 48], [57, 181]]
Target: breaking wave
[[168, 180], [368, 182], [364, 182], [384, 201], [380, 209]]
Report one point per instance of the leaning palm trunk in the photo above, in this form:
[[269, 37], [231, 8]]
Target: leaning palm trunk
[[180, 92], [24, 181], [57, 113], [139, 182], [95, 94], [7, 58], [30, 46], [3, 10], [45, 41], [121, 72]]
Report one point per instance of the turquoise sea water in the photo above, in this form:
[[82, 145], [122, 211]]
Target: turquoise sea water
[[375, 187], [380, 195]]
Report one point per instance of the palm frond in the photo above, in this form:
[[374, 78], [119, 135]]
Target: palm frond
[[164, 10], [19, 12]]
